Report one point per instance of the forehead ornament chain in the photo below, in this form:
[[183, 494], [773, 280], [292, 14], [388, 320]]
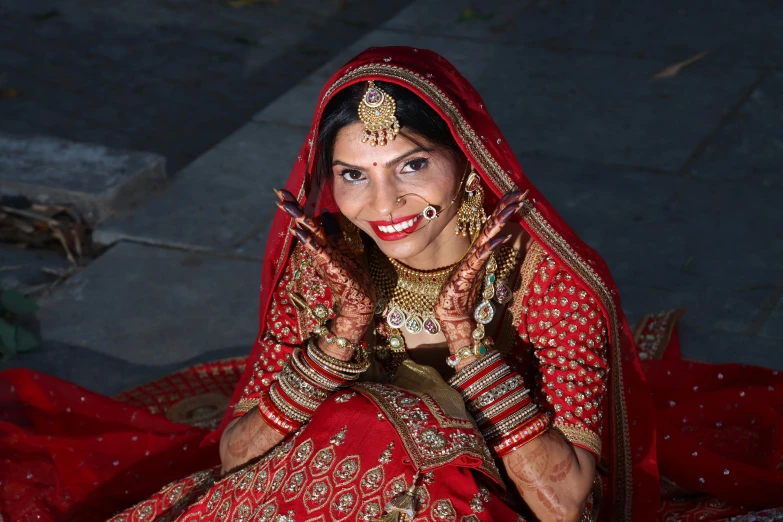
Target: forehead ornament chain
[[376, 110]]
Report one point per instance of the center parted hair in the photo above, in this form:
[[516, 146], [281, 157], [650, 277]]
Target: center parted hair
[[417, 121]]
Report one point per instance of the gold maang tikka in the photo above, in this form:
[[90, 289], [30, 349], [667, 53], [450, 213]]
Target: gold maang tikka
[[376, 110], [471, 215]]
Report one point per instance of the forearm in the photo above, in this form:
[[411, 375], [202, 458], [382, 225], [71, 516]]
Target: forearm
[[246, 438], [553, 477]]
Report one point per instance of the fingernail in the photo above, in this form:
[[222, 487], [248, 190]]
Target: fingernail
[[293, 209], [278, 193]]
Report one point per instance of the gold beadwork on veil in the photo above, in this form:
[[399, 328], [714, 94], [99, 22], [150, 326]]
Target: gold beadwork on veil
[[376, 110]]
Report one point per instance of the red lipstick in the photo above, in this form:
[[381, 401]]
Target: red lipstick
[[403, 227]]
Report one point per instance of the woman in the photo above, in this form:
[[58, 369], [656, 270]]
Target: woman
[[420, 361]]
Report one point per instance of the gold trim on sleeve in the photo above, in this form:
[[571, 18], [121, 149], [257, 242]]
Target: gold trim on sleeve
[[535, 254], [245, 405], [581, 436]]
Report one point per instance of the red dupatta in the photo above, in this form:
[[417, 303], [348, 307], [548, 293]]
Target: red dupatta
[[629, 437]]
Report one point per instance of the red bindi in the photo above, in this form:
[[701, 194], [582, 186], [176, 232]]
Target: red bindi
[[374, 164]]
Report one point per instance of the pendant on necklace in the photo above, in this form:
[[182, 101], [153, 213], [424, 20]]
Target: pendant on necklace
[[431, 326], [396, 318], [502, 293], [413, 324]]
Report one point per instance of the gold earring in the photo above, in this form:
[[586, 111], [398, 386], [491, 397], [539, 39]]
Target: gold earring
[[351, 235], [471, 215]]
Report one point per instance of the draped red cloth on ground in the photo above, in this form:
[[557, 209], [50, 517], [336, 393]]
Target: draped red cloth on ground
[[70, 470]]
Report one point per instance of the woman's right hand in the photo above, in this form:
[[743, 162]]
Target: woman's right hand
[[244, 439], [350, 282]]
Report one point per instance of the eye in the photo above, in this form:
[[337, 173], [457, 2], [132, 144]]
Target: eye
[[415, 165], [352, 176]]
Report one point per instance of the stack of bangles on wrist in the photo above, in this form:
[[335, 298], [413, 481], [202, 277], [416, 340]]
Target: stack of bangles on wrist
[[306, 380], [497, 398]]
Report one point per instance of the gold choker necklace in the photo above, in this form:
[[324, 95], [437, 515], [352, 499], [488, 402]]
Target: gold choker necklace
[[406, 296]]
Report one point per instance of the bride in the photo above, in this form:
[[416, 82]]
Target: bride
[[437, 344]]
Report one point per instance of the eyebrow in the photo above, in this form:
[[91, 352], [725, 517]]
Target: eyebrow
[[387, 164]]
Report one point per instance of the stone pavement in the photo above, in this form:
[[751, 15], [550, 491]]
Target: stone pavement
[[172, 77], [675, 181]]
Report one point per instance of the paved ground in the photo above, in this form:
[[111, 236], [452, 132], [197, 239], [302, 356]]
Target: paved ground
[[675, 181], [167, 76]]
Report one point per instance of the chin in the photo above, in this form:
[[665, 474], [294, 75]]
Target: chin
[[402, 249]]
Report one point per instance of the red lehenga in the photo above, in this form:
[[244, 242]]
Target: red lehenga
[[675, 440]]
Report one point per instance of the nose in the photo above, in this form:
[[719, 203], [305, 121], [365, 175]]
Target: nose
[[384, 198]]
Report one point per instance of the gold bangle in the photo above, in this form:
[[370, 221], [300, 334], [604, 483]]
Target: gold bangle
[[287, 408], [302, 366], [486, 382], [464, 375], [496, 392], [345, 370], [510, 423]]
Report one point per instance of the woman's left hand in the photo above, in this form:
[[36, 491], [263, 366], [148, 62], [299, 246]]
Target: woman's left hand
[[453, 309]]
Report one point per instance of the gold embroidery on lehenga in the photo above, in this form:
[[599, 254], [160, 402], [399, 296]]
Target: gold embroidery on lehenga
[[347, 470], [411, 413], [301, 454], [370, 510], [372, 480], [322, 461], [317, 494], [344, 503], [442, 510]]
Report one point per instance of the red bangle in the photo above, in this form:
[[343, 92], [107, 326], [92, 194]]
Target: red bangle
[[479, 375], [524, 434], [508, 412], [274, 417]]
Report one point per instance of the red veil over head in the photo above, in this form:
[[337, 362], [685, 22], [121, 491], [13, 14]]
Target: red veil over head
[[629, 458]]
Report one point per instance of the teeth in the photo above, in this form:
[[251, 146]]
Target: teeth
[[397, 227]]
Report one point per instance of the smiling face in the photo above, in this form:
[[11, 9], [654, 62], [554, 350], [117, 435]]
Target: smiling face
[[367, 182]]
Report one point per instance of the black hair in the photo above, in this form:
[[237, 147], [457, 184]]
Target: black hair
[[417, 119]]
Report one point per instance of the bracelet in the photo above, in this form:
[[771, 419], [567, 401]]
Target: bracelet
[[471, 370], [303, 367], [321, 314], [486, 381], [347, 371], [507, 425], [495, 393], [524, 434], [298, 397], [289, 410], [496, 409], [274, 418], [299, 383], [463, 353]]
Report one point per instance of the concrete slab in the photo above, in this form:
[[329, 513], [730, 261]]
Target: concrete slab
[[773, 326], [99, 181], [155, 307], [297, 105], [749, 147], [736, 32], [591, 107], [22, 267], [220, 199], [670, 241]]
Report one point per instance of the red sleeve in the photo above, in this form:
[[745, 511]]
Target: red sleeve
[[286, 328], [567, 330]]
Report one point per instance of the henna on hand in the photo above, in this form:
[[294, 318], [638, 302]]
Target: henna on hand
[[350, 283], [453, 307]]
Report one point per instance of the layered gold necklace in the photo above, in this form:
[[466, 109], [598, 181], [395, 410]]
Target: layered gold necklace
[[406, 296]]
